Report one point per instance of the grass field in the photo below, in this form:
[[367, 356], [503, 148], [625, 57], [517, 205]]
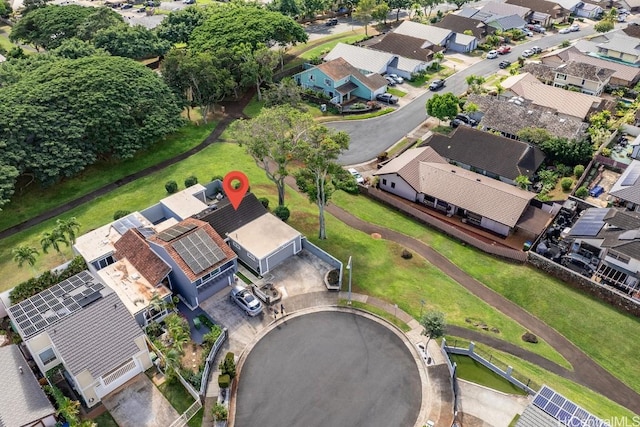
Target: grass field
[[181, 400], [325, 47], [35, 200], [470, 370], [378, 312], [397, 92], [582, 319]]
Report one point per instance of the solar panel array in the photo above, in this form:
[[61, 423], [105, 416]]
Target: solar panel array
[[632, 176], [43, 309], [129, 222], [199, 251], [564, 410], [590, 223], [175, 231]]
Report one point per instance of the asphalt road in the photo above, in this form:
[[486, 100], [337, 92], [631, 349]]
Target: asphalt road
[[329, 369], [372, 136]]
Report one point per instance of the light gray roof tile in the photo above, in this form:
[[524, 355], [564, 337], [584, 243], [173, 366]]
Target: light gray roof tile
[[98, 338], [22, 401]]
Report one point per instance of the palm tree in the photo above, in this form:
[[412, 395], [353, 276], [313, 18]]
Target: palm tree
[[69, 409], [69, 227], [52, 239], [439, 56], [22, 254], [523, 181]]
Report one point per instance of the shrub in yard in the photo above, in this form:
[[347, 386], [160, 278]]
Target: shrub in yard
[[282, 212], [582, 192], [578, 171], [228, 365], [566, 184], [47, 279], [529, 337], [406, 254], [333, 277], [171, 187], [224, 380], [120, 214], [217, 178], [219, 412], [190, 180], [265, 202]]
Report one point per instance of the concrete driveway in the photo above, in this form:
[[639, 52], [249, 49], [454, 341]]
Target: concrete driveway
[[138, 403], [490, 408]]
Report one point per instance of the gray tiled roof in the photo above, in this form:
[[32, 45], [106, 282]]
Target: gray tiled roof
[[98, 338], [585, 71], [22, 401], [483, 150], [535, 417], [505, 8], [406, 165], [459, 24], [507, 22]]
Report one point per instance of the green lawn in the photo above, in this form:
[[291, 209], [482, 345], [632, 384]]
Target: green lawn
[[5, 43], [583, 396], [181, 400], [397, 92], [36, 200], [105, 420], [254, 107], [389, 317], [470, 370], [325, 47], [584, 320]]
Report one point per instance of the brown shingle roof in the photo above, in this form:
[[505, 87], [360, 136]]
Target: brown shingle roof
[[584, 71], [632, 30], [483, 150], [621, 71], [484, 196], [200, 225], [542, 6], [339, 68], [542, 72], [406, 164], [134, 247], [460, 24], [407, 46]]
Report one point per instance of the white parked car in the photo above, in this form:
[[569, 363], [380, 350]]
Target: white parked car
[[527, 53], [492, 54], [574, 28], [359, 178], [397, 78], [246, 300], [565, 30]]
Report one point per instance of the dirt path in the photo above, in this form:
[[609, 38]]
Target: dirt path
[[586, 371]]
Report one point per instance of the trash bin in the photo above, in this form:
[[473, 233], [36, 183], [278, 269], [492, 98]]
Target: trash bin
[[323, 108]]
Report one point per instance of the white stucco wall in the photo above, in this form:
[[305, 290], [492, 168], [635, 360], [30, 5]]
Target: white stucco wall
[[392, 183]]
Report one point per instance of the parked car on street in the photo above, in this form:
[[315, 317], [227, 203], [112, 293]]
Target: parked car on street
[[527, 53], [126, 6], [359, 178], [492, 54], [536, 50], [331, 22], [387, 98], [396, 78], [574, 27], [528, 33], [504, 64], [436, 84], [246, 300], [503, 50], [390, 81], [466, 119], [537, 28], [565, 30]]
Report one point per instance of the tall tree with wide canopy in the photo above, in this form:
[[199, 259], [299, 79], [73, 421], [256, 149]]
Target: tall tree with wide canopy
[[364, 13], [65, 114], [398, 5], [136, 42], [178, 26], [318, 151], [258, 67], [237, 24], [443, 107], [100, 19], [47, 27], [271, 139]]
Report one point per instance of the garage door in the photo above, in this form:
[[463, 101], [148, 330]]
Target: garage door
[[280, 256]]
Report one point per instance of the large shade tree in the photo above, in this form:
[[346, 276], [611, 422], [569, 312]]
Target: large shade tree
[[136, 42], [237, 24], [271, 139], [62, 115]]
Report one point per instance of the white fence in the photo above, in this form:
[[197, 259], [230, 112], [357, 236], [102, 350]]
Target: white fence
[[207, 365]]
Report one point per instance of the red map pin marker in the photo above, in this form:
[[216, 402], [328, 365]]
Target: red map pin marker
[[235, 195]]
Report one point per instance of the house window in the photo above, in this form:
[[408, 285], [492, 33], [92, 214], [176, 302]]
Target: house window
[[250, 256], [47, 356], [327, 82], [616, 255], [384, 181], [236, 245], [561, 76], [310, 77], [393, 185]]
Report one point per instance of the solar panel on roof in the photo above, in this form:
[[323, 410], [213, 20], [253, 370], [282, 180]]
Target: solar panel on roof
[[127, 223], [175, 231], [198, 251], [540, 401], [632, 176], [563, 410], [590, 223]]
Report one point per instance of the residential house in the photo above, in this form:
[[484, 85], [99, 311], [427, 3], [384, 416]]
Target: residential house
[[487, 154], [566, 103], [341, 81], [407, 47], [139, 277], [420, 175], [22, 401], [506, 9], [570, 5], [509, 117], [549, 408], [261, 240], [588, 78], [438, 36], [588, 10], [461, 25], [506, 23], [623, 75], [630, 5], [611, 236], [83, 326], [632, 30], [543, 12], [621, 47], [627, 188], [201, 263]]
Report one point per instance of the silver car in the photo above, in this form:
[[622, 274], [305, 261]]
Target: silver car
[[246, 300]]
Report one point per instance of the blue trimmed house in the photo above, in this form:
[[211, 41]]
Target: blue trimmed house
[[341, 81]]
